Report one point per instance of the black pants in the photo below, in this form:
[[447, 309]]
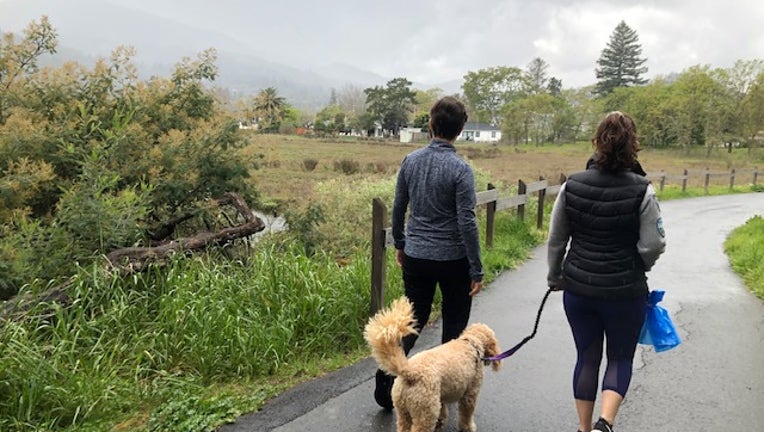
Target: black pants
[[420, 278]]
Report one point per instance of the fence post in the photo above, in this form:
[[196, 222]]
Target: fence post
[[684, 180], [490, 213], [663, 179], [521, 188], [732, 179], [540, 210], [378, 255], [755, 175], [708, 178]]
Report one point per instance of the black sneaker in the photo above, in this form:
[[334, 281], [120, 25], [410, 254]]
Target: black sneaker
[[602, 425], [383, 389]]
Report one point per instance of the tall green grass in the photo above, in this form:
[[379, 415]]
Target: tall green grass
[[193, 345], [745, 249], [123, 343]]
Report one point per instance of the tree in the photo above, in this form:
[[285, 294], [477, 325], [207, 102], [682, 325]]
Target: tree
[[740, 81], [652, 108], [487, 91], [364, 122], [421, 121], [752, 111], [270, 108], [20, 58], [701, 106], [330, 120], [620, 63], [586, 111], [391, 105], [352, 100], [425, 99], [537, 76], [554, 86], [96, 159], [539, 118]]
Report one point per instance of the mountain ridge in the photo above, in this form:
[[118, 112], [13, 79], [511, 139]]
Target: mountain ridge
[[87, 30]]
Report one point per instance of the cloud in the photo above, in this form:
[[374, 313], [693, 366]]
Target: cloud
[[434, 41]]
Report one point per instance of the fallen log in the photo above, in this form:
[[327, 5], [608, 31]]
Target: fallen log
[[130, 260]]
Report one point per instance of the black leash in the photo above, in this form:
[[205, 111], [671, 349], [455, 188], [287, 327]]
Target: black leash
[[512, 350]]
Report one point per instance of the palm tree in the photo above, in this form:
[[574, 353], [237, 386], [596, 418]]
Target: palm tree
[[271, 108]]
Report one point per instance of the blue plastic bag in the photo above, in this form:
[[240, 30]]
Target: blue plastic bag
[[658, 330]]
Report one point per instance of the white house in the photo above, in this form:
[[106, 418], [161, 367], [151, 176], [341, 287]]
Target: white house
[[480, 132], [410, 134]]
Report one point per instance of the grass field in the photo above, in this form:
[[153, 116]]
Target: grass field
[[282, 177]]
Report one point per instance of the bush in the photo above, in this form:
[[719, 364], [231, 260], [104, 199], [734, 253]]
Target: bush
[[378, 167], [309, 164], [91, 160], [347, 166]]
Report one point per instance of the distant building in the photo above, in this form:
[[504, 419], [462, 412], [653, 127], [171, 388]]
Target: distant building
[[409, 134], [480, 132]]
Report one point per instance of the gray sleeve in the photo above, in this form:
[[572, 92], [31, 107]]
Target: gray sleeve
[[652, 237], [559, 234], [400, 204], [465, 213]]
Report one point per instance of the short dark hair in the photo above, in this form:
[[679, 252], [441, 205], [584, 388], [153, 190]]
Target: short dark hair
[[615, 143], [447, 118]]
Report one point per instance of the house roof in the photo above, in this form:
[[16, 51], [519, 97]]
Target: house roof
[[477, 126]]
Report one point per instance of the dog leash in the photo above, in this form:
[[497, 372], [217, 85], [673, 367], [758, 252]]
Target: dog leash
[[512, 350]]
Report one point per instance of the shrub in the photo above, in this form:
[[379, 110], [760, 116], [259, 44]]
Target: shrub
[[309, 164], [378, 167], [347, 166], [91, 159]]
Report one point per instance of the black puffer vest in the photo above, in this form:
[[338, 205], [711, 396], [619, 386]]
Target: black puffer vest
[[603, 215]]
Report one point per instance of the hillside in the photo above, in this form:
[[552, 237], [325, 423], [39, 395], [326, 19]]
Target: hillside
[[89, 29]]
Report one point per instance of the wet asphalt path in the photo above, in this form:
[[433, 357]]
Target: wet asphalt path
[[714, 381]]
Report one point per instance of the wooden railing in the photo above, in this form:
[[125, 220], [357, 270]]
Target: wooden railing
[[706, 175], [381, 234]]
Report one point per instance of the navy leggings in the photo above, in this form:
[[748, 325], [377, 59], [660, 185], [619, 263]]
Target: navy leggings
[[420, 278], [592, 321]]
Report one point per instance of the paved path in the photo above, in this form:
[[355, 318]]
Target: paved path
[[714, 381]]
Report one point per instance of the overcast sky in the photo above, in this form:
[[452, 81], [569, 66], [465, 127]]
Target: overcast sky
[[435, 41]]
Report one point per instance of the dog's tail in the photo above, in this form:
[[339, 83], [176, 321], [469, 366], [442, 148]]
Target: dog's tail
[[384, 332]]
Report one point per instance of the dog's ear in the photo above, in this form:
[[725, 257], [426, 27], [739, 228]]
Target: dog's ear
[[492, 349], [490, 346]]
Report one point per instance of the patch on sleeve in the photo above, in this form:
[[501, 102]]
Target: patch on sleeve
[[659, 225]]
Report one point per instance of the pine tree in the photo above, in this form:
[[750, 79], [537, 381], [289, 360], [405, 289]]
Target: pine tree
[[620, 64]]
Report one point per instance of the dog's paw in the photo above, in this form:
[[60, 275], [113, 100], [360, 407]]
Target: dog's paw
[[472, 428]]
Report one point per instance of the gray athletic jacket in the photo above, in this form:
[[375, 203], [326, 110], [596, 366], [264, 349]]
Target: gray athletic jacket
[[438, 187]]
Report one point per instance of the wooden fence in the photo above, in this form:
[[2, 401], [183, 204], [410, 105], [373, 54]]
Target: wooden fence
[[706, 175], [381, 233]]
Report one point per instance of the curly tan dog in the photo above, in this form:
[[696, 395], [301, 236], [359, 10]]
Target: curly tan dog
[[425, 383]]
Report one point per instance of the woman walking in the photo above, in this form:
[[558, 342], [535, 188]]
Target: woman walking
[[612, 219]]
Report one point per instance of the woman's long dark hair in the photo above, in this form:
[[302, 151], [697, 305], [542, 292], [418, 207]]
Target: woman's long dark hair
[[615, 143]]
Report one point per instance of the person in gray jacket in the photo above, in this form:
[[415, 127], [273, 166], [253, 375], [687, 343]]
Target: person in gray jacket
[[606, 232], [439, 244]]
